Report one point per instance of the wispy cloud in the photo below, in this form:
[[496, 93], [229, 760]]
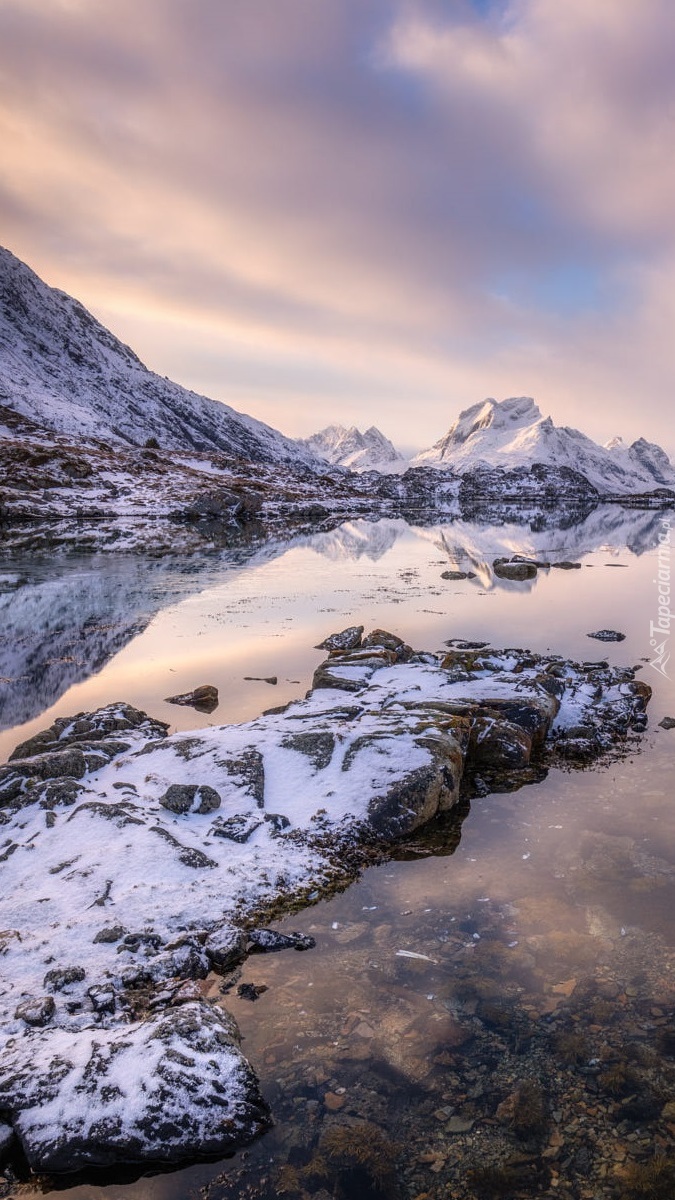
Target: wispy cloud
[[367, 209]]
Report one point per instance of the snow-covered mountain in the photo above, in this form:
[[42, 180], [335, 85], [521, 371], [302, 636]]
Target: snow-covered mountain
[[369, 451], [643, 456], [62, 368], [512, 433]]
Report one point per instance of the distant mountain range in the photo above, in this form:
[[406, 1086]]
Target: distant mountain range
[[506, 436], [369, 451], [61, 368]]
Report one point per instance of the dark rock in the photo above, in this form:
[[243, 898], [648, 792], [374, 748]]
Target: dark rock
[[110, 933], [667, 723], [318, 747], [221, 504], [262, 679], [187, 961], [579, 742], [62, 977], [237, 828], [533, 714], [327, 673], [225, 947], [535, 562], [251, 991], [382, 637], [348, 639], [203, 698], [268, 941], [52, 765], [607, 635], [428, 790], [498, 743], [118, 814], [250, 768], [457, 575], [102, 998], [187, 855], [61, 792], [181, 798], [36, 1010], [277, 821], [517, 571], [567, 566], [463, 644]]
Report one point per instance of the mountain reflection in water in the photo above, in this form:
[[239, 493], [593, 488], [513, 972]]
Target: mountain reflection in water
[[79, 631]]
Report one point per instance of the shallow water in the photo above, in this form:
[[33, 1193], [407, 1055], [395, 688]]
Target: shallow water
[[542, 925]]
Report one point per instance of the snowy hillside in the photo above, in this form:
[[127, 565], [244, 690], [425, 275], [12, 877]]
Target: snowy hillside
[[62, 368], [513, 433], [369, 451]]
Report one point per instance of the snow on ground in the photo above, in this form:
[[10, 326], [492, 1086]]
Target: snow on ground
[[131, 862]]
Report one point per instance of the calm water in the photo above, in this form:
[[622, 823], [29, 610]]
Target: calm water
[[544, 920]]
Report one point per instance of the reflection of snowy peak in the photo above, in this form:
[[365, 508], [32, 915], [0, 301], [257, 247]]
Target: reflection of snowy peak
[[66, 371], [513, 433], [608, 526], [369, 451], [358, 539]]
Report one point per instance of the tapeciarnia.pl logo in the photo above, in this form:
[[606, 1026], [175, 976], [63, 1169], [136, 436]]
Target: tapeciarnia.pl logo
[[659, 630]]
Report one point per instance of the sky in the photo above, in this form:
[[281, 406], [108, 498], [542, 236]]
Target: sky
[[359, 211]]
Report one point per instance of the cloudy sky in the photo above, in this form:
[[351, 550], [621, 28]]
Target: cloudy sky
[[367, 211]]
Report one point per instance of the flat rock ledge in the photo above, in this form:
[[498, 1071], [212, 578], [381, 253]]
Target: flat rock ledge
[[134, 863]]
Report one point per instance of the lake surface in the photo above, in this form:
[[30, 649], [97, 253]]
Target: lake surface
[[501, 997]]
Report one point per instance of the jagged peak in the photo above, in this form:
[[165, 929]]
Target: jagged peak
[[512, 433]]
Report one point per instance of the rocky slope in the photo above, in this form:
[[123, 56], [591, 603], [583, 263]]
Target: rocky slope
[[60, 367], [369, 451], [512, 434], [95, 496], [148, 859]]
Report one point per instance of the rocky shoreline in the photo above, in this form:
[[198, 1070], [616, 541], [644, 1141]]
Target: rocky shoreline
[[135, 863], [57, 493]]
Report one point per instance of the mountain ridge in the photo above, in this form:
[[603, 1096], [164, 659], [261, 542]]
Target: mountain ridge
[[512, 433], [62, 368], [357, 451]]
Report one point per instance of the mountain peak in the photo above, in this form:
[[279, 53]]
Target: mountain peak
[[512, 433], [369, 451]]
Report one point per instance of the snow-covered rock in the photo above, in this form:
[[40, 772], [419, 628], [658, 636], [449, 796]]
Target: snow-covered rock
[[513, 433], [114, 906], [62, 368], [75, 1099], [369, 451]]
